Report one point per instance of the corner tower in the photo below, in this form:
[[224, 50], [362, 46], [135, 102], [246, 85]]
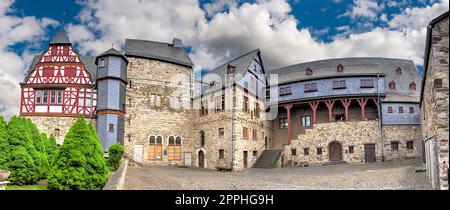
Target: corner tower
[[111, 86]]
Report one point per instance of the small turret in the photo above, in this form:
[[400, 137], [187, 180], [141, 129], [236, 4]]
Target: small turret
[[111, 87]]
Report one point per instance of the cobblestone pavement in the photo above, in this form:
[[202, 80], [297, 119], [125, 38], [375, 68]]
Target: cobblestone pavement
[[387, 175]]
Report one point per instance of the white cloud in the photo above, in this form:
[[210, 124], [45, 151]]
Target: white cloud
[[14, 30], [265, 24], [364, 8], [218, 6], [116, 20], [416, 18]]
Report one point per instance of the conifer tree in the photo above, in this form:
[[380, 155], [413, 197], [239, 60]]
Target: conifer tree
[[20, 161], [50, 147], [79, 163], [40, 156], [3, 143]]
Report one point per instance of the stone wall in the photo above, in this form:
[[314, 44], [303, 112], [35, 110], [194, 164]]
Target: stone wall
[[49, 124], [434, 107], [354, 134], [146, 77], [233, 123], [402, 134]]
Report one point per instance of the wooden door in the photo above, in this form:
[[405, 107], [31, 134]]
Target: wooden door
[[201, 159], [335, 151], [369, 153], [245, 159]]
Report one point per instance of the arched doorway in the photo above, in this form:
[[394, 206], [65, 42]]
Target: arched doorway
[[201, 159], [335, 151]]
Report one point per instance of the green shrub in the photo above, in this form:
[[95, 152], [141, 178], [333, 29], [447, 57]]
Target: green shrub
[[115, 155], [3, 144], [51, 147], [79, 163], [23, 156], [22, 167], [40, 156]]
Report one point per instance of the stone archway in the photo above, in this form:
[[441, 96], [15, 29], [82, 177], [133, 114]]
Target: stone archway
[[335, 151]]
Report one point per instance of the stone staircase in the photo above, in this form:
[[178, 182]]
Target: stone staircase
[[268, 158]]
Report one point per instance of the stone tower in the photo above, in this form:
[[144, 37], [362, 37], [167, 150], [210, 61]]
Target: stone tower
[[111, 85]]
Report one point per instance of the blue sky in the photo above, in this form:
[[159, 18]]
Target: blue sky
[[321, 16], [213, 31]]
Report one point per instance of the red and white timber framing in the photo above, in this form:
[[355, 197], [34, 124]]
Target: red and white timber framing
[[362, 101], [59, 85]]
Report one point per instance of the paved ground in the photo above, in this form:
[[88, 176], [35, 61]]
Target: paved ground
[[387, 175]]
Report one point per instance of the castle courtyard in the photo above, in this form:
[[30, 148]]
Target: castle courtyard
[[375, 176]]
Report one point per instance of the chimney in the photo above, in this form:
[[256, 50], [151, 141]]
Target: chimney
[[177, 42]]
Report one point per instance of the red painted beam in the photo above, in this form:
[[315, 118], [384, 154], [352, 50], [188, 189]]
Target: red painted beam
[[330, 104], [288, 109], [314, 106], [362, 103], [346, 104]]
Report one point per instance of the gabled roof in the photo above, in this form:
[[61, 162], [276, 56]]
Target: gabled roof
[[426, 57], [158, 51], [110, 52], [61, 38], [88, 61], [239, 64], [357, 66]]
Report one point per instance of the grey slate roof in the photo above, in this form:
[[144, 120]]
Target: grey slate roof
[[240, 65], [113, 52], [359, 66], [61, 38], [157, 50]]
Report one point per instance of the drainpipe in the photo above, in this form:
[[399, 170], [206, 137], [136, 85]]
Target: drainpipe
[[232, 128], [380, 118]]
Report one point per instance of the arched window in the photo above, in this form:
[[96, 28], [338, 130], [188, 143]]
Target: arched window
[[392, 85], [309, 71], [202, 138], [155, 148], [398, 71], [340, 68], [412, 86], [174, 148]]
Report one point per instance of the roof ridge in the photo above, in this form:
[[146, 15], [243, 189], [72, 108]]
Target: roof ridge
[[229, 61], [144, 40], [343, 58]]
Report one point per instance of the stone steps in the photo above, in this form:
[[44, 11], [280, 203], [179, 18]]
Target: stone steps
[[268, 158]]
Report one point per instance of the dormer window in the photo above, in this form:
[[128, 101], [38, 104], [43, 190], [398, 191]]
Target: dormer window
[[285, 91], [412, 86], [230, 69], [101, 63], [340, 68], [311, 87], [398, 71], [309, 71], [392, 85]]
